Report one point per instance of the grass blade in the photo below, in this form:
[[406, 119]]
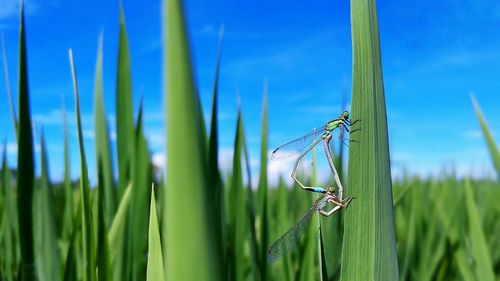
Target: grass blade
[[67, 225], [9, 221], [237, 209], [262, 192], [48, 265], [8, 88], [217, 188], [369, 235], [103, 257], [102, 143], [479, 247], [155, 271], [191, 239], [87, 230], [139, 206], [25, 164], [70, 266], [495, 154], [124, 110], [115, 234]]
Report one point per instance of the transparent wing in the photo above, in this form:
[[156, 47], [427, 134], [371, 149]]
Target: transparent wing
[[297, 145], [286, 242]]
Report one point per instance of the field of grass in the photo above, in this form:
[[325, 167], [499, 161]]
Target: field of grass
[[133, 228]]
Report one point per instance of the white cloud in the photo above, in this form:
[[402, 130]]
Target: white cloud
[[156, 138], [11, 148], [157, 116], [54, 117], [10, 8], [225, 160], [158, 160], [89, 134]]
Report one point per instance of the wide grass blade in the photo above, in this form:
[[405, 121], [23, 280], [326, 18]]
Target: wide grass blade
[[87, 227], [124, 110], [192, 244], [495, 154], [369, 235], [479, 247], [155, 271], [25, 164], [102, 141]]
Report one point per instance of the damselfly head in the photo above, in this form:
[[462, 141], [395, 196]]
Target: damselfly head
[[345, 115]]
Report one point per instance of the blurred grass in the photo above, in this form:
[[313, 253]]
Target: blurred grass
[[25, 164], [495, 154], [210, 224], [155, 269], [190, 240], [102, 141], [87, 225]]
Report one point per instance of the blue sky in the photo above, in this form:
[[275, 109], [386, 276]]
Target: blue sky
[[434, 55]]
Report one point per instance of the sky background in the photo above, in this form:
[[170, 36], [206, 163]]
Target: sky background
[[434, 55]]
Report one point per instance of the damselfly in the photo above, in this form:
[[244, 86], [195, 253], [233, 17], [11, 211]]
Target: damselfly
[[307, 142], [288, 240]]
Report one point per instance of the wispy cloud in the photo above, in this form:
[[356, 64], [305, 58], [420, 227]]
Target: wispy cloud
[[476, 134], [10, 8], [285, 59]]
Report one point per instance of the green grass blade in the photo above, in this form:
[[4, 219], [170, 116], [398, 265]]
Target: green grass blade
[[103, 258], [369, 235], [155, 271], [189, 215], [463, 265], [217, 188], [115, 235], [87, 230], [47, 263], [495, 154], [25, 164], [102, 142], [254, 249], [11, 231], [479, 247], [67, 224], [237, 210], [70, 266], [8, 88], [139, 206], [263, 193], [307, 268], [322, 259], [283, 220], [124, 110]]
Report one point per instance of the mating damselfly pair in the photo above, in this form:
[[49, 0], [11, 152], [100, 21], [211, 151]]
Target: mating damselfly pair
[[301, 146]]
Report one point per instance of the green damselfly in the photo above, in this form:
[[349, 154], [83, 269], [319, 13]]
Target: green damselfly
[[306, 143]]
